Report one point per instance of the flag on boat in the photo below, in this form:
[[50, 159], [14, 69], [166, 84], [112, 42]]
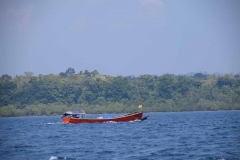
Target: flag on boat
[[140, 105]]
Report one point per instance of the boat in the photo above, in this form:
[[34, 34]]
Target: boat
[[80, 117]]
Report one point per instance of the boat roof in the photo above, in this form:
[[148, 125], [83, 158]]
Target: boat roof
[[75, 112]]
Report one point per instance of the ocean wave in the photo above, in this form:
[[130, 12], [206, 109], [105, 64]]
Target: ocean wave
[[55, 123]]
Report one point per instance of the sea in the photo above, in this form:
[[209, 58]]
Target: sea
[[164, 136]]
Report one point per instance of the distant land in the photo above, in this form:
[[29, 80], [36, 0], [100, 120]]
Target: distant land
[[51, 94], [191, 74]]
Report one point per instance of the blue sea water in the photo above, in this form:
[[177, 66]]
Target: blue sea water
[[181, 135]]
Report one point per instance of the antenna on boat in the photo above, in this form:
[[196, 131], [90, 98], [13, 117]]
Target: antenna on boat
[[140, 90]]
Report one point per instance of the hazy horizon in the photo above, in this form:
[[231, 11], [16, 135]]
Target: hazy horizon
[[125, 38]]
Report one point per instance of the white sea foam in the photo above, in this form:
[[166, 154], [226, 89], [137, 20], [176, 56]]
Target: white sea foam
[[111, 122], [53, 158], [137, 120], [55, 123]]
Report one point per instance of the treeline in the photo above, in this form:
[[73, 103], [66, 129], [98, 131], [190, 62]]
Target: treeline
[[95, 93]]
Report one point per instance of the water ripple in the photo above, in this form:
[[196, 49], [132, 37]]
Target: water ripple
[[184, 135]]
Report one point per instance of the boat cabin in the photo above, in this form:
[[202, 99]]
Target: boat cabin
[[75, 114]]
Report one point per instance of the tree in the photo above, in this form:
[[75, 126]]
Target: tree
[[183, 85], [7, 90], [70, 71], [236, 76], [224, 81], [29, 74], [6, 77], [87, 73], [94, 73], [100, 101], [115, 94], [166, 86], [63, 74], [200, 75]]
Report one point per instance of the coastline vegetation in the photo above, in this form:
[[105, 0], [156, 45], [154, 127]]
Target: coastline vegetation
[[29, 95]]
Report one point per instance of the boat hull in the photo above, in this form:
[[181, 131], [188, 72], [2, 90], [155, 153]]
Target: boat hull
[[124, 118]]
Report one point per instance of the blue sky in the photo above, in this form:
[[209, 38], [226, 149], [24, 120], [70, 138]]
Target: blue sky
[[127, 37]]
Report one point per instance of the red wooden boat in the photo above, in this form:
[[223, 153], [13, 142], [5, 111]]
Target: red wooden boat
[[80, 117]]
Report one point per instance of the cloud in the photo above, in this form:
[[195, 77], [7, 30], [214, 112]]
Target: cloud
[[150, 9], [79, 24]]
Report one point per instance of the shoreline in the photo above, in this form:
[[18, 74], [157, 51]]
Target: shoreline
[[122, 113]]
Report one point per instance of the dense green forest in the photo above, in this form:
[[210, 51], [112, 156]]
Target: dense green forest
[[95, 93]]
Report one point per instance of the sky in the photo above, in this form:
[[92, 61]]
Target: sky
[[119, 37]]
